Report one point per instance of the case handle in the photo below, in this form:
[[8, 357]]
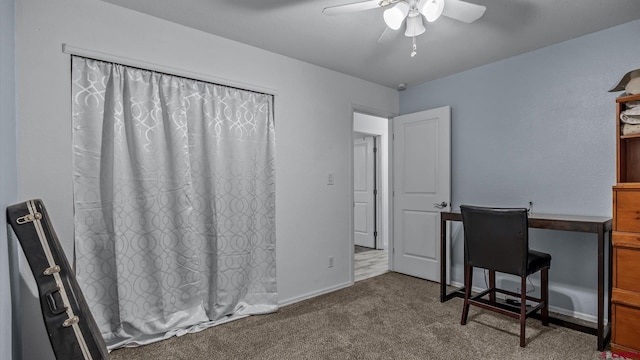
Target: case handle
[[53, 301]]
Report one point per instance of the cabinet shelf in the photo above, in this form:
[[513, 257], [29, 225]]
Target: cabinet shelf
[[627, 185], [626, 98], [628, 146]]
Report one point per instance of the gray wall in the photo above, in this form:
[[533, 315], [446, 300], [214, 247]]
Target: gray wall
[[313, 219], [8, 177], [539, 127]]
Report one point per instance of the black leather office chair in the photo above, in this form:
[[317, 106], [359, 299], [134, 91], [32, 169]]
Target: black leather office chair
[[497, 239]]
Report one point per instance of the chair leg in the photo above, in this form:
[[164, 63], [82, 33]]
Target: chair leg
[[468, 280], [544, 294], [523, 309], [492, 285]]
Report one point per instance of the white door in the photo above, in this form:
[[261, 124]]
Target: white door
[[363, 192], [422, 171]]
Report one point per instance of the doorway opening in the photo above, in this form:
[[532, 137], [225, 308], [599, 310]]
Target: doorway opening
[[370, 195]]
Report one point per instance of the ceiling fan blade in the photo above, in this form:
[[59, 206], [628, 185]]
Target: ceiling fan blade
[[382, 39], [388, 36], [463, 11], [353, 7]]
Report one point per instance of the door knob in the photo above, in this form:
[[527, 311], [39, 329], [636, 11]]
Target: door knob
[[441, 205]]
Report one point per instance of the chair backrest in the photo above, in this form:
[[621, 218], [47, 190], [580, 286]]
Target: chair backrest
[[496, 238]]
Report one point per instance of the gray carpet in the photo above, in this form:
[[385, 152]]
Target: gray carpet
[[391, 316]]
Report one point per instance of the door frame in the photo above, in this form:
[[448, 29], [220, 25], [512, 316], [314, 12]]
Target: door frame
[[378, 241], [386, 197], [385, 186]]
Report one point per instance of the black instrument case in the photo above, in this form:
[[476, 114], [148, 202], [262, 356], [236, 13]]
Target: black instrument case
[[72, 329]]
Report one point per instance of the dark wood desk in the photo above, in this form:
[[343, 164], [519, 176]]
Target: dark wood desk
[[587, 224]]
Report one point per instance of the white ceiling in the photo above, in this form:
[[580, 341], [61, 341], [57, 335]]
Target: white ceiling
[[348, 43]]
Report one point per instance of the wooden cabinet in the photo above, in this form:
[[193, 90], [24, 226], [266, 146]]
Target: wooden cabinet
[[626, 210], [625, 298]]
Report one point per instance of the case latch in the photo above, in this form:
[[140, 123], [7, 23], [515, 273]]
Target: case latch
[[28, 218], [71, 321], [52, 270]]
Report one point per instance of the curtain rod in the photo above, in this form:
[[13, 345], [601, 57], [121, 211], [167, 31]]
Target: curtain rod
[[97, 55]]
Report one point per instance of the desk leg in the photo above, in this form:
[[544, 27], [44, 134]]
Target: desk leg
[[600, 288], [607, 338], [602, 337], [443, 260], [443, 265]]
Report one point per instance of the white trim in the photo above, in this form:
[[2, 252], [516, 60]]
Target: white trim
[[385, 186], [92, 54], [573, 314], [313, 294]]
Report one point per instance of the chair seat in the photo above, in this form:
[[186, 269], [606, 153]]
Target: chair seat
[[537, 260]]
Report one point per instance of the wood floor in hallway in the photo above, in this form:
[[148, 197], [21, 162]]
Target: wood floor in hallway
[[370, 263]]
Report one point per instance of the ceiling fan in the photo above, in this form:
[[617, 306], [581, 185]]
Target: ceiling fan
[[413, 11]]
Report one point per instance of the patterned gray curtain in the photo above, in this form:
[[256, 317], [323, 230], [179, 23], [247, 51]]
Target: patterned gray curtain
[[174, 195]]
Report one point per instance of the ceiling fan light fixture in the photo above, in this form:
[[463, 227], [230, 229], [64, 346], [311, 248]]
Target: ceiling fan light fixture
[[431, 9], [415, 26], [394, 16]]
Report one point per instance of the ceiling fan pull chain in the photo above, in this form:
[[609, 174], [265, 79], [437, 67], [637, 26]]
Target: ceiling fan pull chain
[[415, 48]]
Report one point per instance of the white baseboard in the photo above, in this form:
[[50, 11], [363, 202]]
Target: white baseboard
[[561, 311], [313, 294]]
